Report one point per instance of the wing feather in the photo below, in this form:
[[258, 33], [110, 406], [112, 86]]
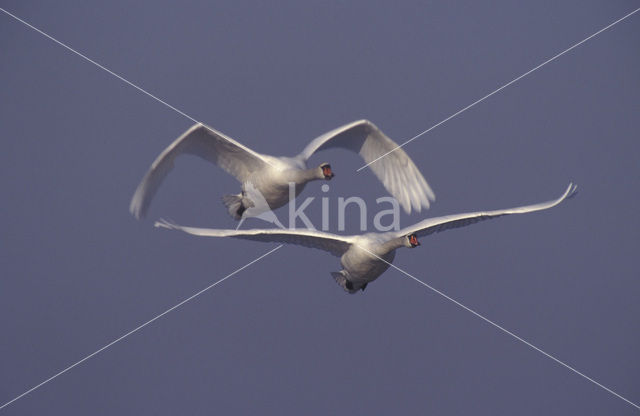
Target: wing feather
[[397, 172], [332, 243], [436, 225], [205, 142]]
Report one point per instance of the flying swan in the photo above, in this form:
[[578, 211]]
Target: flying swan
[[271, 175], [365, 257]]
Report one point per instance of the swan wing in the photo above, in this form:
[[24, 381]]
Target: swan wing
[[205, 142], [397, 172], [332, 243], [434, 225]]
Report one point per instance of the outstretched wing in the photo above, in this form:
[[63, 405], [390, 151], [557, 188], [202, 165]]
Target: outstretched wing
[[397, 172], [202, 141], [332, 243], [434, 225]]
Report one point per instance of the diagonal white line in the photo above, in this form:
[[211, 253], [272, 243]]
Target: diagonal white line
[[501, 88], [506, 331], [139, 327], [100, 66], [112, 73], [278, 247]]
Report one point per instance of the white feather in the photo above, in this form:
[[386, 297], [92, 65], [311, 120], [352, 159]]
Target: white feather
[[397, 172], [365, 257]]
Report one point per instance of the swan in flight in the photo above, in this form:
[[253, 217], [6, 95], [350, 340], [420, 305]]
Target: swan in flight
[[365, 257], [272, 175]]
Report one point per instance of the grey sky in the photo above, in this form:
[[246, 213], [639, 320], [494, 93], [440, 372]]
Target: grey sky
[[281, 337]]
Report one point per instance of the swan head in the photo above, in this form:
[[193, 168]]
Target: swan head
[[412, 241], [325, 170]]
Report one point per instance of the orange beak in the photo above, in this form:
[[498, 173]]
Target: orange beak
[[413, 240], [326, 171]]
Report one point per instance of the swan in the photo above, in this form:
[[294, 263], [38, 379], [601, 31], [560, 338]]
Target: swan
[[271, 175], [365, 257]]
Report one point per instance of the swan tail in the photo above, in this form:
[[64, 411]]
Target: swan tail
[[234, 205], [343, 282]]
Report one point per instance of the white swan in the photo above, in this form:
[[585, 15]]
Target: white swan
[[271, 175], [367, 256]]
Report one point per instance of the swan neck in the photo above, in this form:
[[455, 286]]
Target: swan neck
[[311, 175], [392, 244]]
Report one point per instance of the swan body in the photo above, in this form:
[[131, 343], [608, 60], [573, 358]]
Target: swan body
[[365, 257], [272, 175]]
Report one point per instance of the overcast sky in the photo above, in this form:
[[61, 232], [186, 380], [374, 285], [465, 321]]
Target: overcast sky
[[280, 337]]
